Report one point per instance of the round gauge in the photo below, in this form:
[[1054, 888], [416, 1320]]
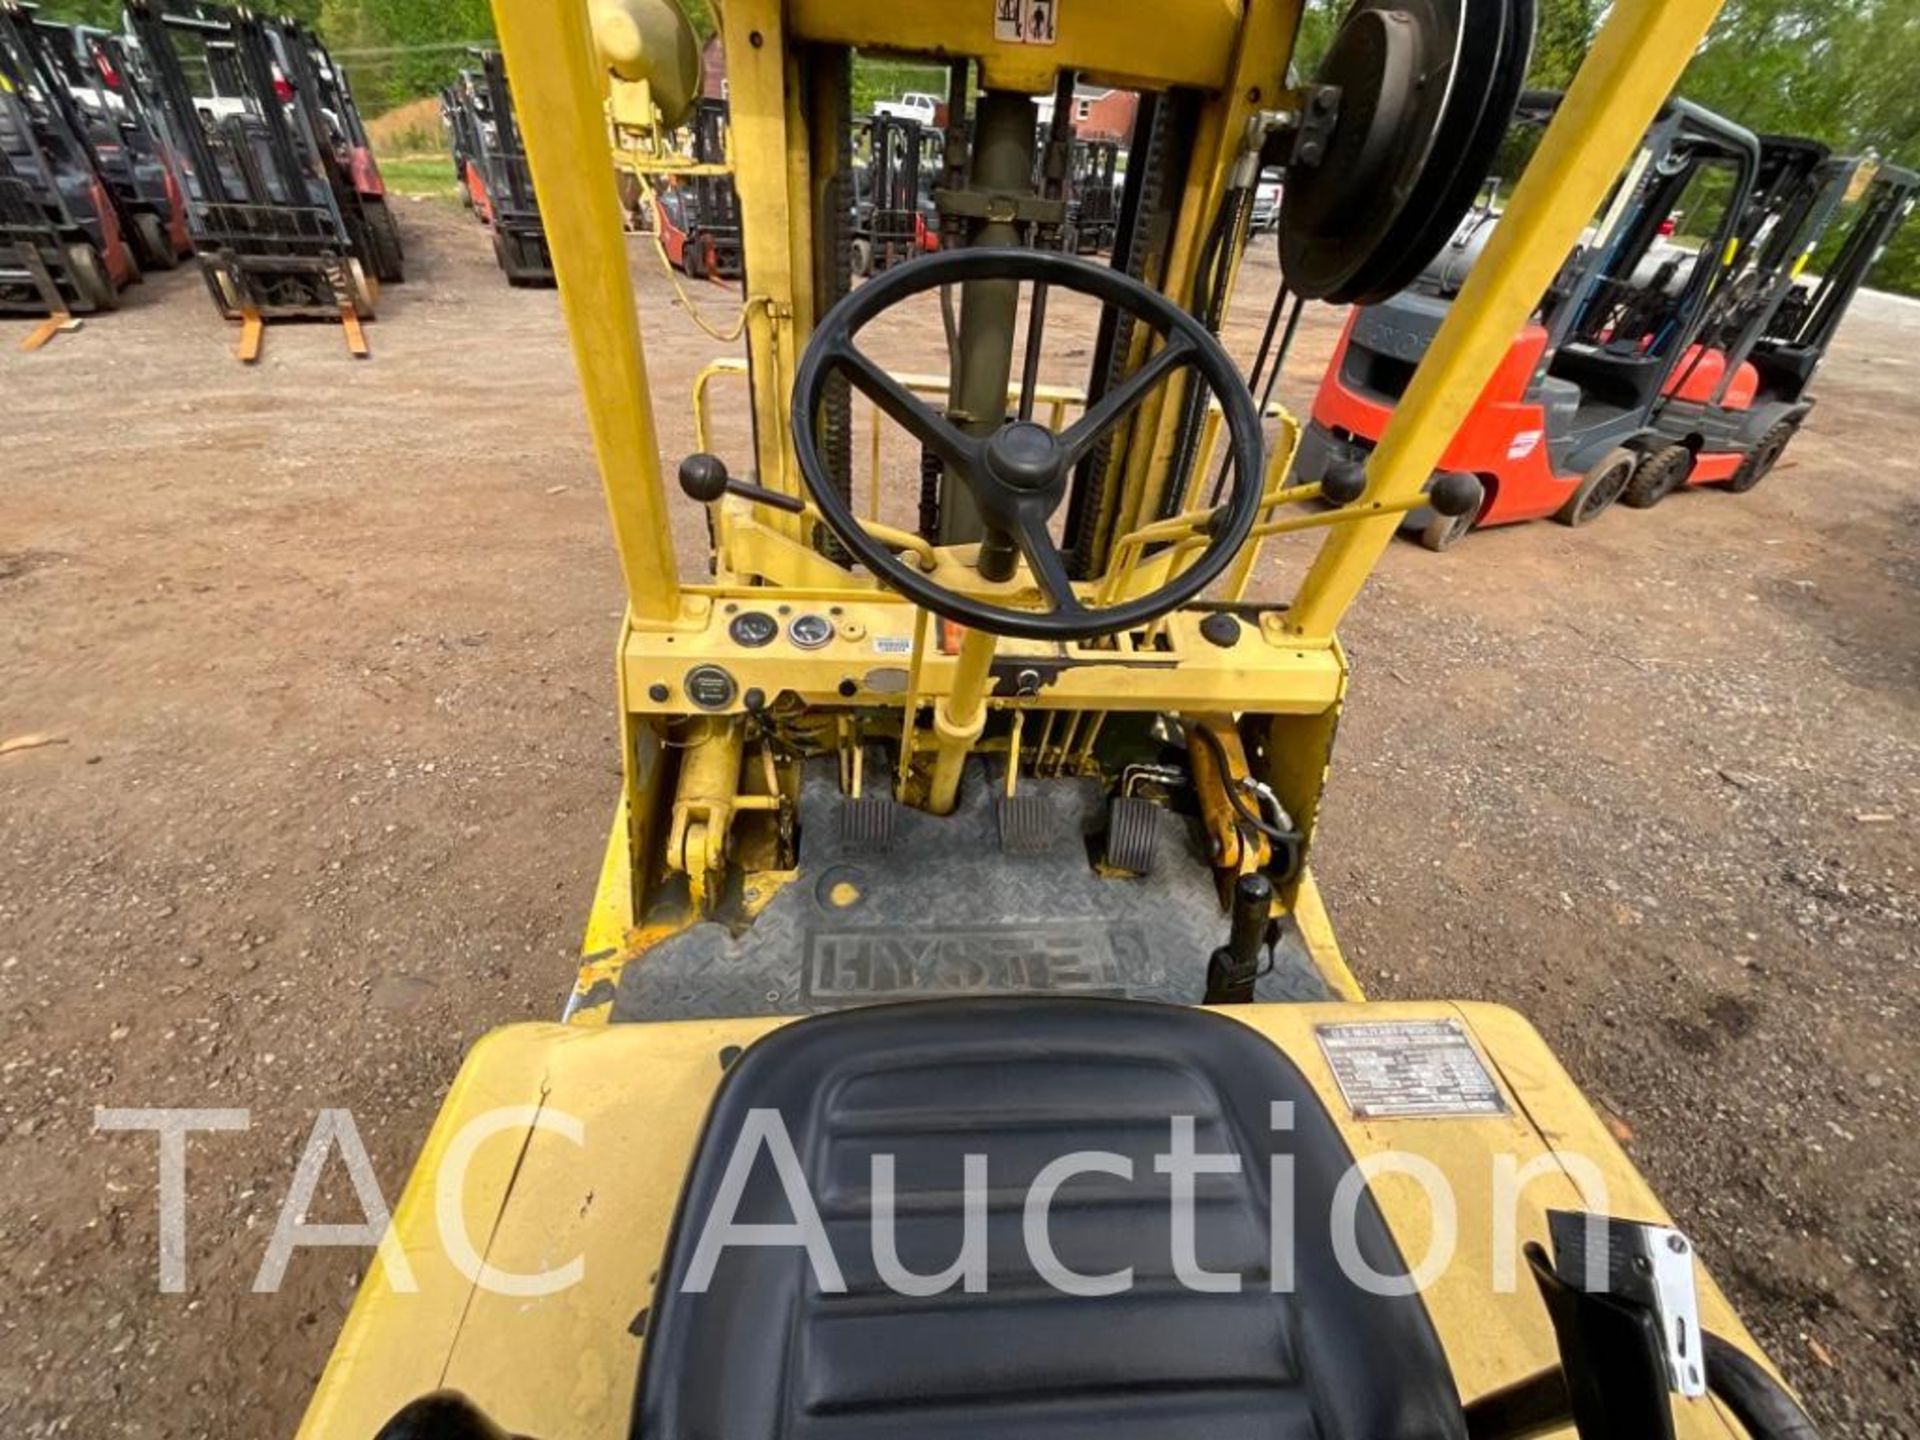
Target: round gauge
[[753, 628], [710, 687], [810, 632]]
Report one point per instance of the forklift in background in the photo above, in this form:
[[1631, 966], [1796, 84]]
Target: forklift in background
[[696, 211], [125, 137], [1092, 196], [62, 250], [1742, 396], [895, 160], [484, 134], [937, 866], [353, 149], [461, 105], [287, 219], [1568, 420]]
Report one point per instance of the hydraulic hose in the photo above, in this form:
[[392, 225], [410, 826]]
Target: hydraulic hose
[[1286, 843]]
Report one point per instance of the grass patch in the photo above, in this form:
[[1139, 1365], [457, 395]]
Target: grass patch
[[411, 128], [430, 175]]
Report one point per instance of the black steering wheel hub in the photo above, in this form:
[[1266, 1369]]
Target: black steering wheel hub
[[1027, 458], [1017, 475]]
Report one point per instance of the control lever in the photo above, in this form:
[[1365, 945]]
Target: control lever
[[704, 478], [1235, 966], [1344, 482], [1456, 493]]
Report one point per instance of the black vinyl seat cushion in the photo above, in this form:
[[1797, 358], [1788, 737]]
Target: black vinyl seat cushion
[[764, 1351]]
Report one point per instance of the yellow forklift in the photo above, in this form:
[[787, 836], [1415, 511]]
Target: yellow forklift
[[960, 1046]]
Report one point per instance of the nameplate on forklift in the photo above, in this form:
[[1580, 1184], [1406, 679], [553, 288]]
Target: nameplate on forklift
[[1409, 1070], [888, 964]]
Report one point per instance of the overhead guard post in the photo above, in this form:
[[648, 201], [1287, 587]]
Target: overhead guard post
[[559, 85]]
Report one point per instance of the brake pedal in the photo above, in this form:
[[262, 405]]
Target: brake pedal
[[1026, 824], [866, 824], [1132, 824]]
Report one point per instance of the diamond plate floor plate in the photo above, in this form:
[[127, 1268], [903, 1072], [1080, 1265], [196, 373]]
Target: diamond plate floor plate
[[944, 912]]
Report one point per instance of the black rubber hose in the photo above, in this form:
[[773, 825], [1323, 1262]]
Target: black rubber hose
[[1759, 1402], [1258, 822], [1286, 843], [1212, 275]]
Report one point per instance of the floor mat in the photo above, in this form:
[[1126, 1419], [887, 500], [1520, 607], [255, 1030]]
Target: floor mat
[[943, 911]]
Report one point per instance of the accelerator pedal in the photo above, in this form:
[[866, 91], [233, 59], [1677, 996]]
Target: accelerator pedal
[[866, 824], [1026, 824], [1132, 824]]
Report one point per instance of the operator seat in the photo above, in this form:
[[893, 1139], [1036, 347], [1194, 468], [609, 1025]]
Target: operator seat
[[765, 1351]]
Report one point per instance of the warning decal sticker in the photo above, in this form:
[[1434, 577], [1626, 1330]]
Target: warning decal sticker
[[1025, 22], [1409, 1069]]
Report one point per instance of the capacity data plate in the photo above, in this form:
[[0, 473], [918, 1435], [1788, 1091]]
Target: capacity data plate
[[1409, 1069]]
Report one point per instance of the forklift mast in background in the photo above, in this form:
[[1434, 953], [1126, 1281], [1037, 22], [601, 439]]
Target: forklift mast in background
[[1802, 327], [894, 214], [126, 139], [285, 221], [495, 179], [62, 249]]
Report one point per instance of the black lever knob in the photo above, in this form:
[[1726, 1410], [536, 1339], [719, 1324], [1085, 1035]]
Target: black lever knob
[[1456, 493], [704, 478], [1344, 482]]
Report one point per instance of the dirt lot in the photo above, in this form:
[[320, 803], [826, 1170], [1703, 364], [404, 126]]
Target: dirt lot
[[326, 650]]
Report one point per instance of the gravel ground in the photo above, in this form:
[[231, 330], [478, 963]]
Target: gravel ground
[[324, 648]]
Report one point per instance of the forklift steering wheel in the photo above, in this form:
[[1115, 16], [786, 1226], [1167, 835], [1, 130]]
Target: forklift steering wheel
[[1018, 474]]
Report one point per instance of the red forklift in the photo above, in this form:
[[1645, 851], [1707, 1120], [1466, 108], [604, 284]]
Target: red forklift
[[1570, 417], [461, 104], [484, 134], [353, 150], [1742, 395], [894, 216], [124, 136], [697, 217], [62, 251]]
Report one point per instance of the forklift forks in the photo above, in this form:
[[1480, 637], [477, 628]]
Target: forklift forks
[[60, 320]]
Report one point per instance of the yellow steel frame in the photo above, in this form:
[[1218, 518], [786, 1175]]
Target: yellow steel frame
[[607, 1194], [1235, 53]]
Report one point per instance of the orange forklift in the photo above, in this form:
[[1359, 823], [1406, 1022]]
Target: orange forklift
[[491, 160], [1570, 419], [697, 217], [88, 74], [1742, 395]]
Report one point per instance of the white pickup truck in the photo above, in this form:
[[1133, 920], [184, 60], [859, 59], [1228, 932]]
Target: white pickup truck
[[914, 105]]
